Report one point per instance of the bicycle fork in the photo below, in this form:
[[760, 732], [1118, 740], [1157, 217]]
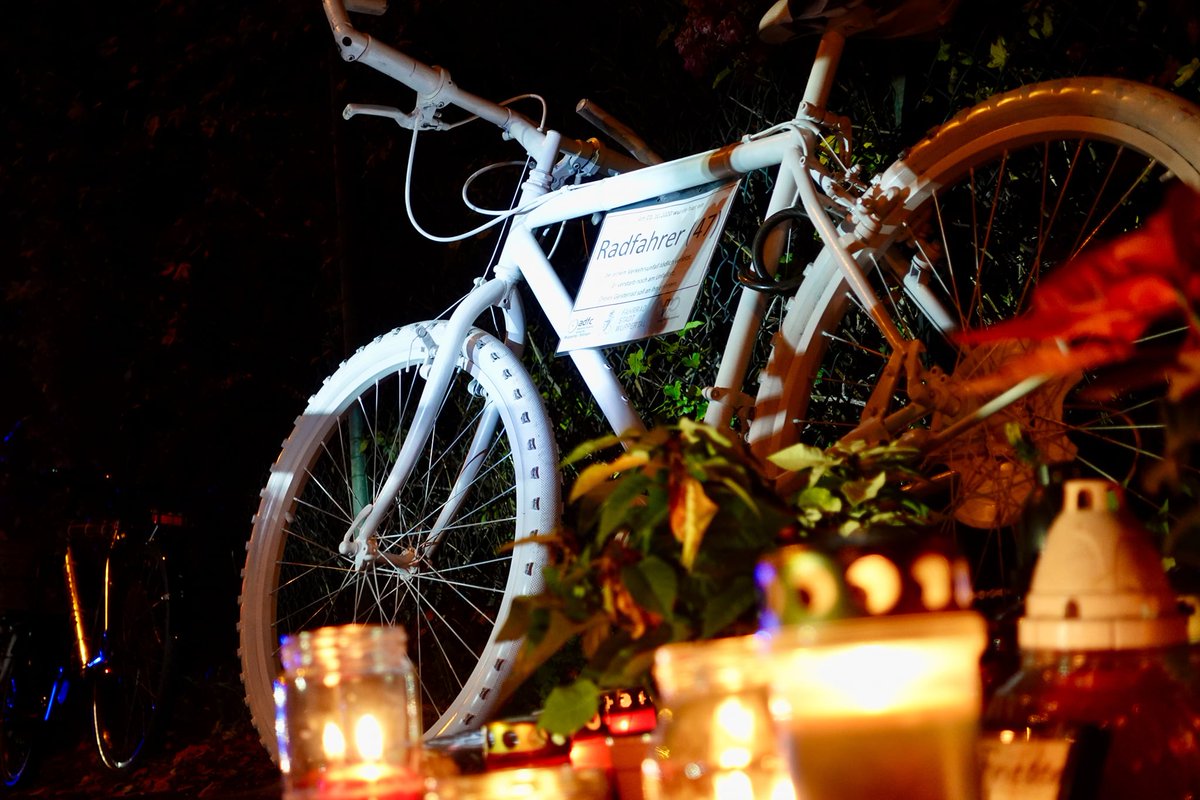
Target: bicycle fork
[[359, 540]]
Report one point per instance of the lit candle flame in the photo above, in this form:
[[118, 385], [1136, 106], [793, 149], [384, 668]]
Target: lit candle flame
[[734, 785], [368, 738], [333, 742], [735, 726]]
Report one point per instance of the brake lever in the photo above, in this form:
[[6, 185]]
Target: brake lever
[[414, 120]]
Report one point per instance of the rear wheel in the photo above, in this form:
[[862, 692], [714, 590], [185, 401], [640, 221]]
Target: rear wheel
[[992, 201]]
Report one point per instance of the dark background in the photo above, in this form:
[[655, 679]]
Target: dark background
[[191, 237]]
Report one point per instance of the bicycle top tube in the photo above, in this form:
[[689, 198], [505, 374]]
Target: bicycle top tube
[[688, 172]]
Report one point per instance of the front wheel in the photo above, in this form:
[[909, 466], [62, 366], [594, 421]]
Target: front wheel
[[990, 202], [442, 563]]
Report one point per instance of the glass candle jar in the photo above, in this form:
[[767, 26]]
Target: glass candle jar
[[528, 783], [348, 715], [877, 707], [716, 737]]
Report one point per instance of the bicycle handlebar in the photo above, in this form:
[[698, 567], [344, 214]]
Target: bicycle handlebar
[[435, 90], [373, 7]]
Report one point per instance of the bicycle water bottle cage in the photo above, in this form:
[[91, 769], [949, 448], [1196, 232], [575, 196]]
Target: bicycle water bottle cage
[[885, 19], [755, 274]]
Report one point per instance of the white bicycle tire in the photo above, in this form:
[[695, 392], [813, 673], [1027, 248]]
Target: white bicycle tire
[[488, 369]]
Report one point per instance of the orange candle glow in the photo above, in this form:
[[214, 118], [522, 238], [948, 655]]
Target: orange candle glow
[[880, 707]]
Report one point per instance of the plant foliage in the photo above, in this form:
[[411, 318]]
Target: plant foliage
[[854, 487], [664, 541], [665, 538]]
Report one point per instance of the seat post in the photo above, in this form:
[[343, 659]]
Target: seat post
[[825, 64]]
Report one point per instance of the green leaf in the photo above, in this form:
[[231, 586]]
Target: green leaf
[[595, 474], [635, 363], [570, 707], [519, 620], [1187, 72], [591, 447], [742, 493], [859, 492], [558, 631], [727, 607], [635, 668], [653, 584], [800, 457], [693, 431], [999, 52], [691, 513], [626, 506], [819, 498]]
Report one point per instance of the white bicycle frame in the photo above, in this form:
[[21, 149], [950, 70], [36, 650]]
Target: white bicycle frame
[[787, 147]]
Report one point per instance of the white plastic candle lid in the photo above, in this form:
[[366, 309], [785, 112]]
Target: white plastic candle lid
[[1099, 583]]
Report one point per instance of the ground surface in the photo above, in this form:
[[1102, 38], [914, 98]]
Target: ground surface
[[208, 747], [209, 750]]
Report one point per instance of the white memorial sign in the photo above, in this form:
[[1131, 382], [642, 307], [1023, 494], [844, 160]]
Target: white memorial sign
[[646, 270]]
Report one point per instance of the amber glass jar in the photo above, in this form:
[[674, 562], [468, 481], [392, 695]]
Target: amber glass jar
[[1147, 716], [1104, 653]]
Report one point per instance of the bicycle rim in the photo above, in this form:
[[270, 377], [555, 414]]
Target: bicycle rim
[[449, 597], [130, 691], [995, 198]]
